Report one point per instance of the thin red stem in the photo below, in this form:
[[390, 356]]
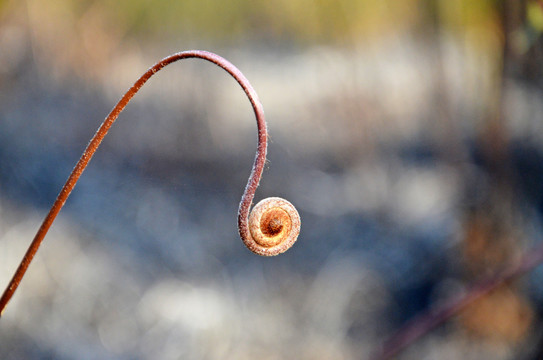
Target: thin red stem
[[246, 199]]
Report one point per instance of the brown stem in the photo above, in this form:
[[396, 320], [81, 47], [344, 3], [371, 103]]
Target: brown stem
[[422, 324], [246, 199]]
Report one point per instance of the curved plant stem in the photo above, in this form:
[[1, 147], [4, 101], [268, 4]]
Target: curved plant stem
[[246, 199], [424, 323]]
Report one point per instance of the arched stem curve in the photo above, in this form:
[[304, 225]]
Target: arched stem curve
[[91, 148]]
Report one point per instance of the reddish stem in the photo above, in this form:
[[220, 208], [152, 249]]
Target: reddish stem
[[246, 199], [422, 324]]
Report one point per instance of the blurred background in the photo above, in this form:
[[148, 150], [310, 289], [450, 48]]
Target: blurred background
[[409, 135]]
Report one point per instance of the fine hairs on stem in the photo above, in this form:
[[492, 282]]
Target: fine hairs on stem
[[273, 225], [270, 229]]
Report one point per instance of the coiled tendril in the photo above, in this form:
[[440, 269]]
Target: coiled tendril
[[274, 224]]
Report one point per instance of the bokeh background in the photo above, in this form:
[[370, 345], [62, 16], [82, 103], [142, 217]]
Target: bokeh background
[[409, 134]]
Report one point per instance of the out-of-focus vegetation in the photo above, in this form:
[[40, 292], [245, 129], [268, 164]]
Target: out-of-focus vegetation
[[85, 35], [408, 133], [304, 21]]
